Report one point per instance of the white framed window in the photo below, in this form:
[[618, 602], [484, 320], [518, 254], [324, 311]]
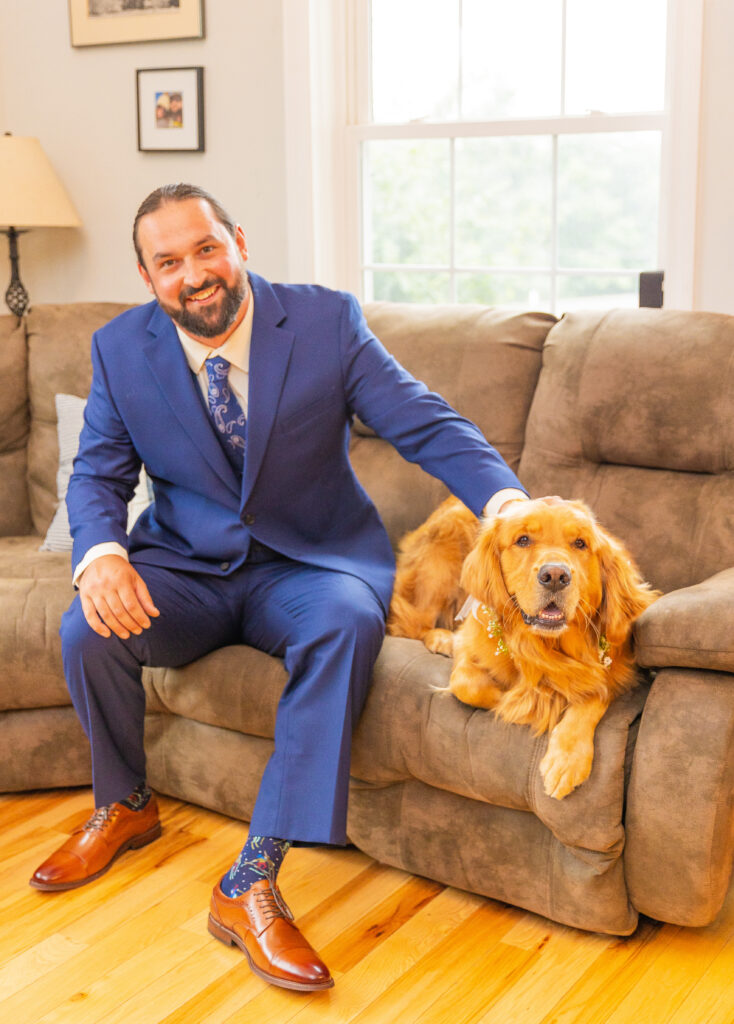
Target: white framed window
[[539, 153]]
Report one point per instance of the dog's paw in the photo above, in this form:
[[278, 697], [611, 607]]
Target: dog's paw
[[440, 641], [564, 768]]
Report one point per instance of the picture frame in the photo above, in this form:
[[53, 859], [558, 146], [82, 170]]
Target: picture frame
[[170, 108], [103, 22]]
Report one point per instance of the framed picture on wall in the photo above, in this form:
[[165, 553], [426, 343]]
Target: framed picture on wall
[[170, 105], [96, 22]]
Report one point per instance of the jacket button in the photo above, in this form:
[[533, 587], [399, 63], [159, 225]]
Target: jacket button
[[249, 519], [224, 566]]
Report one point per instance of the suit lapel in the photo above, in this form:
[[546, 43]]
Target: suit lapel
[[270, 353], [167, 361]]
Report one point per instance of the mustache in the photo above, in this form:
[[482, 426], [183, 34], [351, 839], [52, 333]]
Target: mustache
[[186, 293]]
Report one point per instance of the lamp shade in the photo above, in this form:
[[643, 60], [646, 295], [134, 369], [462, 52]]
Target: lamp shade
[[31, 196]]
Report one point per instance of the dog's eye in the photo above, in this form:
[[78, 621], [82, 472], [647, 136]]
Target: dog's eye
[[579, 543], [522, 542]]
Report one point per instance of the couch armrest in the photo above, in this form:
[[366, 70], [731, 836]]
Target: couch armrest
[[690, 628], [679, 823]]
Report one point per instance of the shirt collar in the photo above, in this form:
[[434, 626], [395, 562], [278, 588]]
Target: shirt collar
[[236, 349]]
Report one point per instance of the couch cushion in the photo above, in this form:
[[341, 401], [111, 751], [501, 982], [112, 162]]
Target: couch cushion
[[35, 590], [690, 628], [59, 362], [414, 728], [14, 507], [485, 363], [427, 769], [22, 558], [634, 413], [233, 687]]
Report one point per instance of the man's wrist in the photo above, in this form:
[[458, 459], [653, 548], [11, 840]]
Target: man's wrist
[[97, 551], [500, 499]]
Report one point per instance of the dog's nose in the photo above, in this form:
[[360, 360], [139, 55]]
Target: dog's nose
[[554, 576]]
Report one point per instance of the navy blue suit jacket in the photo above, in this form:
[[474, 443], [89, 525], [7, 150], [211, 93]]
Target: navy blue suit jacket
[[313, 364]]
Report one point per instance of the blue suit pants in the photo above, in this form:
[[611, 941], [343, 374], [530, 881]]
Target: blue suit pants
[[327, 626]]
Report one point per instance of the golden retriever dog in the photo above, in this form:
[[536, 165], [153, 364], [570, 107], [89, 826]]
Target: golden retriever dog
[[549, 599]]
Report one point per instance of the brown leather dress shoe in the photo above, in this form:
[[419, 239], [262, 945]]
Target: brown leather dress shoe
[[91, 849], [260, 923]]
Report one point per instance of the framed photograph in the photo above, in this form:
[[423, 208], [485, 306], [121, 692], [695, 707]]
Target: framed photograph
[[170, 110], [97, 22]]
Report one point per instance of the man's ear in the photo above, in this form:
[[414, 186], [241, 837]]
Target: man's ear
[[241, 242], [146, 279]]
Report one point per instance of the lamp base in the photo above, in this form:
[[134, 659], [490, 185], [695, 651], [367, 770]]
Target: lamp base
[[16, 296]]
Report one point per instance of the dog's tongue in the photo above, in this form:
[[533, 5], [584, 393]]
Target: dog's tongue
[[551, 612]]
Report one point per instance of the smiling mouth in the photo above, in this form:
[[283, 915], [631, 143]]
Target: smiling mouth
[[550, 618], [199, 298]]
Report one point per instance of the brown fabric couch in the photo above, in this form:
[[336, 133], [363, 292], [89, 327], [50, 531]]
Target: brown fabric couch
[[632, 411]]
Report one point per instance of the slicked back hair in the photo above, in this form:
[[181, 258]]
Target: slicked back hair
[[177, 193]]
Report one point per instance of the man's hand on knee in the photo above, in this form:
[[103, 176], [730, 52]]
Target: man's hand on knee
[[115, 598]]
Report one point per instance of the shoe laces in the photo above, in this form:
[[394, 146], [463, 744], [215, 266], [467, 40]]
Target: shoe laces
[[272, 905], [101, 817]]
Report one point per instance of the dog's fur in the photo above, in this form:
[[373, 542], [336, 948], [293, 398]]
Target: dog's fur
[[563, 594]]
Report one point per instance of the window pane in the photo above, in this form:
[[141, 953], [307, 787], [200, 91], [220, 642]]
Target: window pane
[[523, 291], [504, 202], [615, 55], [590, 291], [404, 286], [415, 60], [511, 58], [407, 201], [608, 187]]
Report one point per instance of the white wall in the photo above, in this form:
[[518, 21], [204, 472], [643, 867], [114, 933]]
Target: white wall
[[81, 104], [714, 275]]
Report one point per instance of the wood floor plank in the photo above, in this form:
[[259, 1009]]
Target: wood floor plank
[[168, 990], [711, 999], [43, 914], [93, 1000], [470, 954], [669, 980], [555, 965], [133, 946], [28, 967], [595, 993], [144, 938], [374, 973]]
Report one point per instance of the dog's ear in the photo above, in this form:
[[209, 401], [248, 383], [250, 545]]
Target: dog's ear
[[625, 594], [481, 574]]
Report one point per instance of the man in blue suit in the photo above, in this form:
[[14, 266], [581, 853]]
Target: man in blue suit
[[237, 395]]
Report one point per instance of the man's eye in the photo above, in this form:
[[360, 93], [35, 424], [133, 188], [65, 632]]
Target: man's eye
[[523, 542], [579, 543]]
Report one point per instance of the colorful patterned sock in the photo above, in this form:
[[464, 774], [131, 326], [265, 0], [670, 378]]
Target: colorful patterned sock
[[138, 798], [261, 857]]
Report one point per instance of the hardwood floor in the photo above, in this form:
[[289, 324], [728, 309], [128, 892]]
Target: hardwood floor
[[133, 947]]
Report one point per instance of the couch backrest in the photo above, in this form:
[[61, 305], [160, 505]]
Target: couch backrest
[[59, 362], [14, 421], [634, 413], [485, 362]]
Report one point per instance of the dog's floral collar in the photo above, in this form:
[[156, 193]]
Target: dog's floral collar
[[493, 627], [605, 647]]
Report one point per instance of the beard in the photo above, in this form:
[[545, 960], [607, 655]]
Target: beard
[[215, 320]]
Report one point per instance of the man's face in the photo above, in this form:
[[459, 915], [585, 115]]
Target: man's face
[[194, 268]]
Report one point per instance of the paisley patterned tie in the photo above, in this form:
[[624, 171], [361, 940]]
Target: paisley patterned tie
[[226, 411]]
